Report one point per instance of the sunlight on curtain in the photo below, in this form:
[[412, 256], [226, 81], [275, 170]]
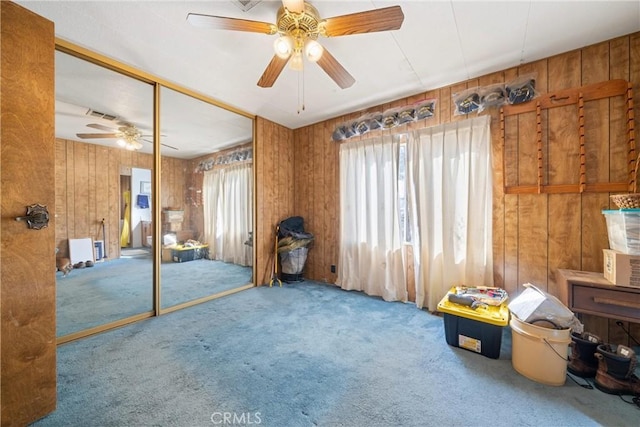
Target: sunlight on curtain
[[227, 199], [370, 258], [450, 207]]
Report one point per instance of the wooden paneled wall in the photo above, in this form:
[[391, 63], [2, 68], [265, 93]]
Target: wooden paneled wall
[[28, 289], [88, 190], [317, 196], [533, 235], [174, 188], [274, 171]]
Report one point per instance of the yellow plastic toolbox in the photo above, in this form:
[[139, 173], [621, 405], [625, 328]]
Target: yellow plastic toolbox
[[476, 329], [182, 253]]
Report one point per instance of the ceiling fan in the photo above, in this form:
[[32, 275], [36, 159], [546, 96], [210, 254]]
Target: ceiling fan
[[127, 135], [299, 25]]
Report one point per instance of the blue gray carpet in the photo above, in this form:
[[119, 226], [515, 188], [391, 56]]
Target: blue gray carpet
[[119, 288], [307, 354]]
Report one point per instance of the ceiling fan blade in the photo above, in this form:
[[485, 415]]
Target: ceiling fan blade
[[385, 19], [169, 146], [335, 70], [101, 127], [97, 135], [272, 71], [225, 23], [166, 145]]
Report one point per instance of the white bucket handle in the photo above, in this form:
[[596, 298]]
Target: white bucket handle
[[554, 350]]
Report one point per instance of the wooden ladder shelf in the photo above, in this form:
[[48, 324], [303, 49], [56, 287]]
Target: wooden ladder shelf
[[561, 98]]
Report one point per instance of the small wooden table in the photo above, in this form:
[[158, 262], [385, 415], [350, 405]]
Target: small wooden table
[[590, 293]]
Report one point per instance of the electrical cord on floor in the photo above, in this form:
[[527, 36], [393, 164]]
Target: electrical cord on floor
[[587, 384], [628, 332], [634, 401]]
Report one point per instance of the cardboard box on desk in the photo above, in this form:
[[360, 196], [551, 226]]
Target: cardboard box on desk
[[622, 269]]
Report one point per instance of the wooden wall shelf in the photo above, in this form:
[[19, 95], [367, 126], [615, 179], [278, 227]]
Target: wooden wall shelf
[[562, 98]]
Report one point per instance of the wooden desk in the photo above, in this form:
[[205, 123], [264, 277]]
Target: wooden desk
[[590, 293]]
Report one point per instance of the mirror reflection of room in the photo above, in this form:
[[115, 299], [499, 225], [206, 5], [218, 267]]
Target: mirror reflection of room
[[106, 204], [104, 139], [206, 211]]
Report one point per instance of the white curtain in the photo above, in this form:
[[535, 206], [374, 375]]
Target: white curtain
[[370, 257], [450, 206], [227, 200]]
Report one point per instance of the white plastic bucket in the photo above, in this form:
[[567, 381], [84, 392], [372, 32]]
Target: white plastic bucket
[[539, 354]]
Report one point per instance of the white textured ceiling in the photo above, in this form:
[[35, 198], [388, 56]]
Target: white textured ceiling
[[189, 127], [440, 43]]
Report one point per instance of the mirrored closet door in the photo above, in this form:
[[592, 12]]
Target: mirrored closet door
[[125, 214], [206, 200], [103, 214]]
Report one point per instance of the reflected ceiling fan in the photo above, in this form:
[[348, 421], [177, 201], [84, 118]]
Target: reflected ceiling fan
[[127, 135], [299, 25]]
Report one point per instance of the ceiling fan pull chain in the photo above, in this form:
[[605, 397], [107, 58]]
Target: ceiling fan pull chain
[[303, 67], [301, 89], [298, 100]]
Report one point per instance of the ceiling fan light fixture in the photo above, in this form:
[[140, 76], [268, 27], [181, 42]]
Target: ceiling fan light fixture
[[283, 46], [313, 50], [296, 61], [129, 142]]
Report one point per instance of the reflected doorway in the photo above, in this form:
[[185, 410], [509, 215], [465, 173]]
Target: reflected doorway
[[136, 232]]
